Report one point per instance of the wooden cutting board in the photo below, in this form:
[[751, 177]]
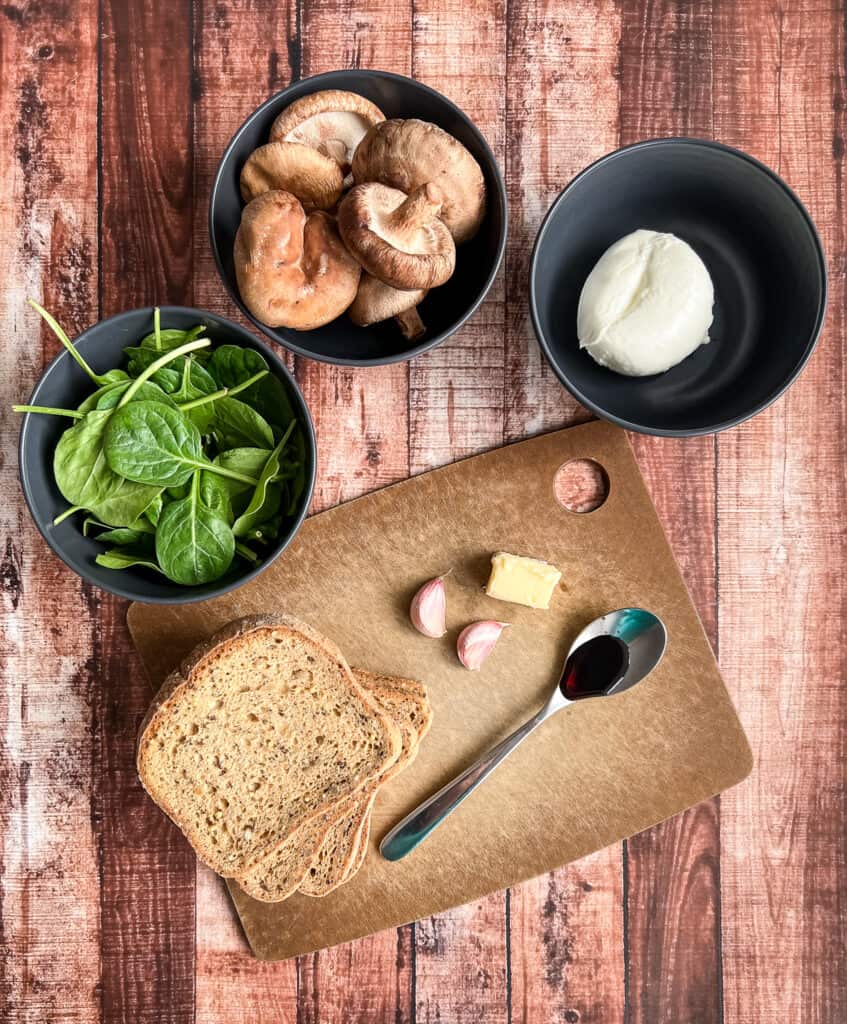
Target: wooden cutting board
[[591, 776]]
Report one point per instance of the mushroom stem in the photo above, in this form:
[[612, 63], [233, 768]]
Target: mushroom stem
[[417, 209], [410, 324]]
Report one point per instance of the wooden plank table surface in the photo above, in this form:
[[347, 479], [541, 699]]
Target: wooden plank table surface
[[114, 115]]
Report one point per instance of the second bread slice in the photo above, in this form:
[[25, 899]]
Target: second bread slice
[[317, 857], [406, 702]]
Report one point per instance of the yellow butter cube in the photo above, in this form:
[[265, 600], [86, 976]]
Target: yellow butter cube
[[522, 580]]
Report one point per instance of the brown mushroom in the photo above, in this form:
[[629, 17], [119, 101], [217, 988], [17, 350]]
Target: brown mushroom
[[332, 121], [316, 180], [398, 238], [292, 269], [407, 154], [376, 301]]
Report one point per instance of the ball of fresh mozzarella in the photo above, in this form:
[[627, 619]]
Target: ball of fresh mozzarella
[[646, 305]]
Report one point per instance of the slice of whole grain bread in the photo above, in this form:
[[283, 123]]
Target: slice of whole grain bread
[[362, 838], [406, 702], [263, 730], [334, 841]]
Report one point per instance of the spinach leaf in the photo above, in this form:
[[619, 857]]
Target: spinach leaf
[[266, 496], [193, 544], [148, 392], [201, 410], [236, 424], [142, 525], [259, 510], [232, 365], [298, 483], [151, 443], [124, 558], [170, 377], [176, 493], [186, 391], [247, 461], [159, 363], [215, 495], [90, 523], [167, 379], [265, 532], [124, 535], [85, 478], [154, 509], [92, 400], [163, 341]]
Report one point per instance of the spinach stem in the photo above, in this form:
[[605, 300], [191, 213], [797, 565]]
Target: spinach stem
[[65, 340], [210, 467], [157, 364], [288, 432], [49, 411], [67, 513], [157, 328], [203, 399], [245, 552], [215, 395], [247, 383]]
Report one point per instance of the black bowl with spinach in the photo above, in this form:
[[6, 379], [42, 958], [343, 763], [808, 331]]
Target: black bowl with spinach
[[194, 463]]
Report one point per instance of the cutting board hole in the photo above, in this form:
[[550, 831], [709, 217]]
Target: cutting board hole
[[581, 485]]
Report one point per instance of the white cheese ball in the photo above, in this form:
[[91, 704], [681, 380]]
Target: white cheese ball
[[646, 305]]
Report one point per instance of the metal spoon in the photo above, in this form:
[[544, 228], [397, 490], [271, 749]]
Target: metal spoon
[[609, 656]]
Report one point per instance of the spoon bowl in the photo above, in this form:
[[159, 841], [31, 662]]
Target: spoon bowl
[[592, 669], [645, 639]]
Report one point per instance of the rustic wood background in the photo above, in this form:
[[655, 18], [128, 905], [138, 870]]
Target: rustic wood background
[[113, 116]]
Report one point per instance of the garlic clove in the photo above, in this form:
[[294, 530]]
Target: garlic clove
[[477, 641], [429, 609]]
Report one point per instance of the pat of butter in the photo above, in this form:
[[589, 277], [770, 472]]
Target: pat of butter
[[522, 580]]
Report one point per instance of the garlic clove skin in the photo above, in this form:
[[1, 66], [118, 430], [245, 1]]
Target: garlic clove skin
[[477, 641], [428, 611]]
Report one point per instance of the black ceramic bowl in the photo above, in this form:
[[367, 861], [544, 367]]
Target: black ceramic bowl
[[446, 308], [64, 385], [759, 245]]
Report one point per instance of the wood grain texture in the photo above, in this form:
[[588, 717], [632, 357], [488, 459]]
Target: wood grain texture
[[568, 942], [780, 93], [673, 870], [567, 949], [48, 679], [147, 870]]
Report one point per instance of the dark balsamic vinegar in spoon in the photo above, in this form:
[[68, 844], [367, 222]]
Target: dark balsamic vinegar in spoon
[[594, 667]]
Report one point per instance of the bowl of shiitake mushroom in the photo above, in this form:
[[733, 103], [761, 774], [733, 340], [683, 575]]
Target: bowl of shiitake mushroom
[[358, 217]]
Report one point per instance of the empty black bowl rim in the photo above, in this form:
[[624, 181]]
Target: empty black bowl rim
[[326, 80], [182, 595], [721, 424]]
